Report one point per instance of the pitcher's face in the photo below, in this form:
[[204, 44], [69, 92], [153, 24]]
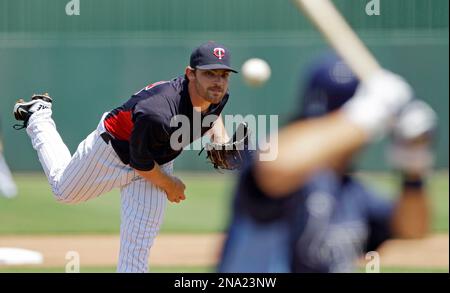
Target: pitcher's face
[[211, 85]]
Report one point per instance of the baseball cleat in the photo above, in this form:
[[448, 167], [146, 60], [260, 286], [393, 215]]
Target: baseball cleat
[[23, 110]]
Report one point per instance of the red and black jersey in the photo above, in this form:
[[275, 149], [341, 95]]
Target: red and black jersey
[[141, 128]]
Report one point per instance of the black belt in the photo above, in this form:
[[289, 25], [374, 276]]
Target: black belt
[[106, 137]]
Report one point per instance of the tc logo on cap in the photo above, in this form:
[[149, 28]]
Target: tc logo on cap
[[219, 53]]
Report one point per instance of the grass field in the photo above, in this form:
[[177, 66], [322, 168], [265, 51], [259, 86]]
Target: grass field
[[35, 211], [206, 209]]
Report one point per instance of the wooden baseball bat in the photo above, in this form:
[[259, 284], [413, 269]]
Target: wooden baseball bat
[[324, 15]]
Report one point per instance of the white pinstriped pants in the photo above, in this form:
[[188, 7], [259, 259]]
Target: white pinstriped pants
[[93, 170]]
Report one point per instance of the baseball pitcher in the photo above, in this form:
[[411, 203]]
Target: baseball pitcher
[[131, 148]]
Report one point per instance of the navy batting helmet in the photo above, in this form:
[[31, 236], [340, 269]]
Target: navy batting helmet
[[329, 84]]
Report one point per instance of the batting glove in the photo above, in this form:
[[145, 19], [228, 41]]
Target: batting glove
[[410, 150], [377, 101]]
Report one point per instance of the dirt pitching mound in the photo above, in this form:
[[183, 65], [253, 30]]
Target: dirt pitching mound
[[187, 250]]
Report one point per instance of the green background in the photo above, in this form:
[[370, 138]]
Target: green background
[[206, 209], [93, 62]]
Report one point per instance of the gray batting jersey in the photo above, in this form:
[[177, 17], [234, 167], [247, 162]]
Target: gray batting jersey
[[322, 227]]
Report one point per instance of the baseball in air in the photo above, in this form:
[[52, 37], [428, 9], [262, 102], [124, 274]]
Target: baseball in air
[[255, 71]]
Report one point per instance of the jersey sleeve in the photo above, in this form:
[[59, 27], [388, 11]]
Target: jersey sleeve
[[379, 214], [148, 130]]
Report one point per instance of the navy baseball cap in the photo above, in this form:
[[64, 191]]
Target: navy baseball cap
[[211, 55], [330, 84]]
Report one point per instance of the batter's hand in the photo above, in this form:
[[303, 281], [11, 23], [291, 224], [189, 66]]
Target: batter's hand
[[175, 190], [377, 101], [410, 150]]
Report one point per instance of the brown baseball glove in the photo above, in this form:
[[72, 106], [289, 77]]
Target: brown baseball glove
[[233, 154]]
